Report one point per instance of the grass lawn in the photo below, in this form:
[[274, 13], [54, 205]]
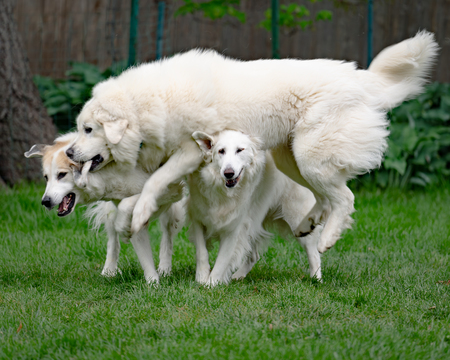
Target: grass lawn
[[386, 291]]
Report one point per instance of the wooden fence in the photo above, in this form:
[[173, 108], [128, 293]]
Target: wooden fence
[[56, 32]]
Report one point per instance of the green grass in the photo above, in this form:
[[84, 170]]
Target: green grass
[[381, 298]]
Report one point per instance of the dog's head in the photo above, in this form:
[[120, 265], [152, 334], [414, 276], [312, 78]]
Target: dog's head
[[59, 172], [230, 153], [105, 128]]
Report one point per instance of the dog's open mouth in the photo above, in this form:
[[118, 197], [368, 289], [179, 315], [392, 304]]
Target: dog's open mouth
[[66, 206], [231, 183], [96, 161]]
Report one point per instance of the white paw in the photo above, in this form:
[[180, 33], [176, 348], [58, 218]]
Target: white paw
[[324, 245], [110, 272], [240, 274], [152, 280], [164, 269], [142, 212], [306, 227], [213, 281], [202, 276]]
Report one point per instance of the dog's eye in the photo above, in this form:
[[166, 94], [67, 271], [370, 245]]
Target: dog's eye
[[239, 150], [61, 175], [45, 177], [222, 151], [88, 130]]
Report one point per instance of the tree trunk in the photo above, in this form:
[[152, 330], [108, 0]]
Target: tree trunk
[[23, 118]]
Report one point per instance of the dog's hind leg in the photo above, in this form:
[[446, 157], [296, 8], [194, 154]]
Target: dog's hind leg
[[196, 235], [286, 163], [342, 200], [166, 246], [310, 243], [141, 244], [171, 223], [247, 265], [328, 184], [113, 248], [234, 245], [295, 206]]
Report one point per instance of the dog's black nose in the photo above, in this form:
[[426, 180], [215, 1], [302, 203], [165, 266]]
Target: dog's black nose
[[70, 153], [228, 173], [46, 201]]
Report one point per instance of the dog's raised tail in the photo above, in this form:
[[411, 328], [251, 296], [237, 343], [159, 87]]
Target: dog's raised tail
[[403, 69]]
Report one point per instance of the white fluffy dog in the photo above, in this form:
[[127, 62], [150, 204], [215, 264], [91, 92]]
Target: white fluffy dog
[[324, 120], [236, 189], [68, 185]]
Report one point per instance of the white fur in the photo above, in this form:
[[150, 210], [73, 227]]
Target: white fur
[[325, 120], [234, 215], [111, 183]]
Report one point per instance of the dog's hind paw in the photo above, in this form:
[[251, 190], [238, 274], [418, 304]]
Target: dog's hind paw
[[305, 228]]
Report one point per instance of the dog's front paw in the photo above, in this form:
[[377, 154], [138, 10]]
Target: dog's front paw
[[110, 271], [202, 276], [142, 212], [164, 269], [152, 280], [213, 281], [325, 244]]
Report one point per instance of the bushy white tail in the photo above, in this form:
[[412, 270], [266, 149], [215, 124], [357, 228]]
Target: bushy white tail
[[403, 69], [100, 213]]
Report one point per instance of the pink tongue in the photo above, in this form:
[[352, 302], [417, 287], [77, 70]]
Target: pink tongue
[[63, 204]]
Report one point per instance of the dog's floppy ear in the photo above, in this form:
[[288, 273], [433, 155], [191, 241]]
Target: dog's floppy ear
[[114, 130], [36, 150], [204, 141]]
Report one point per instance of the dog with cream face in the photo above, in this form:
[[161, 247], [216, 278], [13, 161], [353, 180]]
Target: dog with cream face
[[70, 183]]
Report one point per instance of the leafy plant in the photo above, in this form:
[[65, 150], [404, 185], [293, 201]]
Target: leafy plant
[[294, 17], [64, 98], [214, 9], [419, 143]]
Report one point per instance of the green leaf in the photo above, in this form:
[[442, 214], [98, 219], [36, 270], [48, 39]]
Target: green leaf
[[55, 101], [58, 109], [409, 138], [438, 114], [324, 15], [396, 164], [418, 181]]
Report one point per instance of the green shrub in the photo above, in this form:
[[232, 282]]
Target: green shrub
[[64, 98], [419, 143]]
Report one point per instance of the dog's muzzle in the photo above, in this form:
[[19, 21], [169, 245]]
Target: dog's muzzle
[[70, 153], [230, 182], [47, 202]]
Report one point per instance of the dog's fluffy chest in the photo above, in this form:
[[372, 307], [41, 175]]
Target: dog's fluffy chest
[[218, 208]]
